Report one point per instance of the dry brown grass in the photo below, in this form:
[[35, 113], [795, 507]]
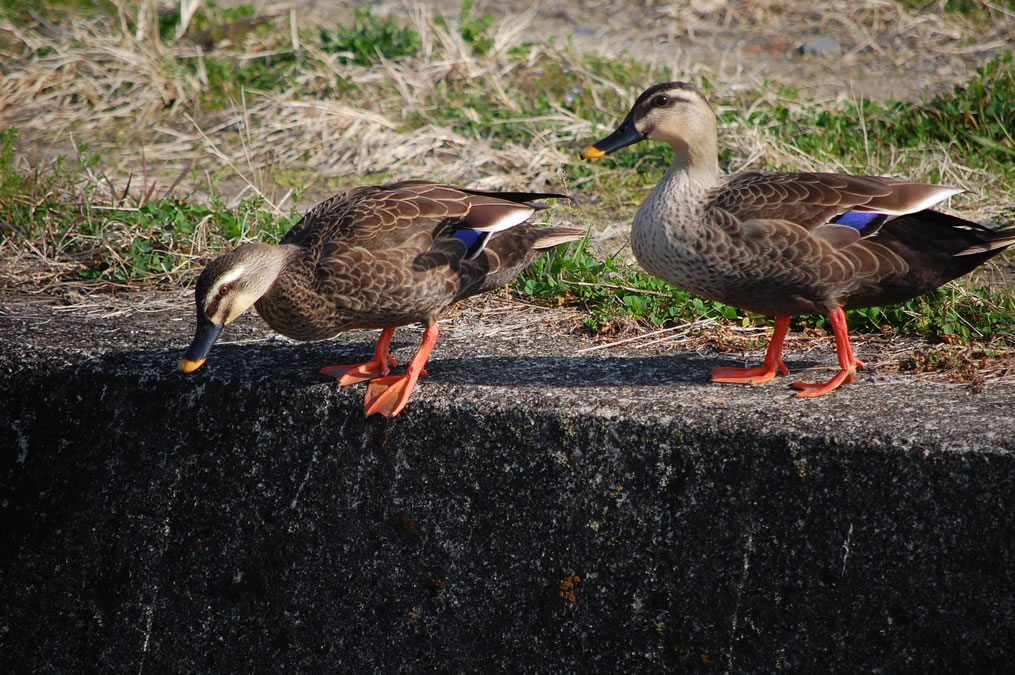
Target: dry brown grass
[[120, 95], [124, 92], [129, 96]]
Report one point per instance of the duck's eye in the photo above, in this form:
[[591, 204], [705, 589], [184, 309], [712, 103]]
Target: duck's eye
[[661, 100], [224, 289]]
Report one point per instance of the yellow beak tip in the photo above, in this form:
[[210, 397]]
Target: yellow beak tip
[[592, 152], [187, 366]]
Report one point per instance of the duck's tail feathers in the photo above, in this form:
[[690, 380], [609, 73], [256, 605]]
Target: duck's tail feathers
[[518, 197], [1000, 241], [548, 237]]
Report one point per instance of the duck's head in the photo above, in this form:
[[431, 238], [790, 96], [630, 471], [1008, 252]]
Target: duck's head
[[672, 112], [227, 287]]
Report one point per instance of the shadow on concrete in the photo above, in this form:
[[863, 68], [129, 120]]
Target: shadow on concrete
[[529, 511]]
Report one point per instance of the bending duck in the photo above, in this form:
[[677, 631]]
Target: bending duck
[[786, 243], [378, 256]]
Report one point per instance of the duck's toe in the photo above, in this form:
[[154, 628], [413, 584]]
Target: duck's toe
[[809, 390], [757, 375], [359, 372]]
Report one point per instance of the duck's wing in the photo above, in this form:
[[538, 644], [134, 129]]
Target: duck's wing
[[385, 216], [815, 235], [815, 200], [510, 252], [406, 248]]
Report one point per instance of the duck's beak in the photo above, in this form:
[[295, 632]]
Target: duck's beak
[[625, 135], [197, 352]]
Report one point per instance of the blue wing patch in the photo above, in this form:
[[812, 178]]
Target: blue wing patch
[[859, 220], [474, 241]]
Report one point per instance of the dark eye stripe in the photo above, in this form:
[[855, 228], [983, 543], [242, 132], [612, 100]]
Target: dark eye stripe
[[213, 305]]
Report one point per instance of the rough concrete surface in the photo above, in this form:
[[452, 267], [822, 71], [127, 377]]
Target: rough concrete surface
[[532, 510]]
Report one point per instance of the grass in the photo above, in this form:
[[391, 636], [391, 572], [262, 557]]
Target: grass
[[973, 125], [138, 145], [976, 8], [369, 38], [114, 237], [613, 293]]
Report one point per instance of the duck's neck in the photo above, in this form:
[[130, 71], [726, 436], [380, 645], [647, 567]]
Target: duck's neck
[[284, 303], [681, 191], [262, 267], [667, 226], [697, 163], [270, 260]]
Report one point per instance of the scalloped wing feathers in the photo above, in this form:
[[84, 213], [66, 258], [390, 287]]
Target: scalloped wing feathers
[[798, 259], [387, 256]]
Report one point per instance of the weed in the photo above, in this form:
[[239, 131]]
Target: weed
[[973, 8], [368, 37], [609, 290], [21, 11], [227, 78], [474, 31], [158, 238], [972, 124]]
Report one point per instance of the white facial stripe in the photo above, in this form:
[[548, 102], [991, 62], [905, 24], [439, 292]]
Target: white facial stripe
[[228, 278], [217, 306]]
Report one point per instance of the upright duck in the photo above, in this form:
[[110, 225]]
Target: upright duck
[[379, 256], [786, 243]]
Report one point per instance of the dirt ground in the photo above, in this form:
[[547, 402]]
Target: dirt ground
[[887, 51]]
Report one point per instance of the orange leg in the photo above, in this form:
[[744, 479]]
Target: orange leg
[[848, 363], [388, 395], [761, 374], [375, 367]]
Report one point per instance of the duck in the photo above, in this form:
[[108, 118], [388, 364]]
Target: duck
[[377, 257], [784, 244]]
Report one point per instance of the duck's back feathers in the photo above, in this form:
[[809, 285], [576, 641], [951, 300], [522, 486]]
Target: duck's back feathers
[[386, 215], [814, 199], [390, 255], [810, 242]]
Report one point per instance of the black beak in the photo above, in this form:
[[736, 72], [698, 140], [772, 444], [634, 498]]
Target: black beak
[[197, 352], [625, 135]]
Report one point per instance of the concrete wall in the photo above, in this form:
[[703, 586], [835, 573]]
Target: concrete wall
[[595, 515]]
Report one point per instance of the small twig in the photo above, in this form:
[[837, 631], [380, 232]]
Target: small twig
[[672, 329], [179, 178], [621, 288]]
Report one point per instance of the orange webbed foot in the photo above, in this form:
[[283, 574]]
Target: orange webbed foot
[[757, 375], [765, 372], [388, 395], [360, 372], [809, 390]]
